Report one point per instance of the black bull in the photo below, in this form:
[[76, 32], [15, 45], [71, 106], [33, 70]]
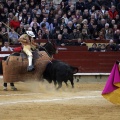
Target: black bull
[[58, 72]]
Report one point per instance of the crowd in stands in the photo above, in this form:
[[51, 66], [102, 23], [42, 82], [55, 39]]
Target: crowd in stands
[[64, 22]]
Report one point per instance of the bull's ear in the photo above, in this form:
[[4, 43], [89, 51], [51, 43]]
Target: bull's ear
[[74, 69]]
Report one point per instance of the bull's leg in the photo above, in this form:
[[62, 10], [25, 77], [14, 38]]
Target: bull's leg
[[13, 87], [59, 85], [55, 83], [66, 84], [72, 83], [5, 86]]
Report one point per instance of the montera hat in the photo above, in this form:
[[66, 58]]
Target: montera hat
[[30, 33]]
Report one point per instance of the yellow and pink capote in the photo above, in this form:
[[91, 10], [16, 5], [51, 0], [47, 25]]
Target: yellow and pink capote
[[111, 91]]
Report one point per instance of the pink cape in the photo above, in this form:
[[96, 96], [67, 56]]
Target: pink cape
[[111, 90]]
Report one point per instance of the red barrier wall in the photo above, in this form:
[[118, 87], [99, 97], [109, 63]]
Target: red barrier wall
[[92, 62]]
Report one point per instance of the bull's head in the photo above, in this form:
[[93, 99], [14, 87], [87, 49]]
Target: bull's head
[[74, 69], [50, 48]]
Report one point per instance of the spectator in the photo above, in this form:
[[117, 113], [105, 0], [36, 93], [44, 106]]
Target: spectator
[[113, 12], [51, 16], [74, 22], [39, 34], [10, 5], [111, 46], [21, 30], [74, 35], [6, 47], [65, 18], [84, 35], [69, 14], [95, 35], [24, 14], [13, 37], [103, 9], [103, 48], [89, 4], [115, 27], [84, 22], [40, 16], [80, 5], [62, 6], [28, 18], [101, 25], [78, 27], [70, 27], [109, 34], [34, 21], [117, 19], [79, 42], [117, 36], [77, 14], [43, 3], [37, 8], [35, 29], [92, 28], [99, 47], [47, 10], [26, 27], [93, 48], [3, 17], [72, 9], [53, 25], [63, 22], [4, 34], [101, 35], [65, 34], [47, 35], [15, 23], [60, 41], [61, 28], [46, 23], [56, 32], [86, 14]]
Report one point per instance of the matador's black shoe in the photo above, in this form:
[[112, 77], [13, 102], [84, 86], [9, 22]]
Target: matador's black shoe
[[30, 68]]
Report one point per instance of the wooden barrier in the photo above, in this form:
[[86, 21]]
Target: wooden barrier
[[72, 48], [86, 41], [89, 62], [4, 53]]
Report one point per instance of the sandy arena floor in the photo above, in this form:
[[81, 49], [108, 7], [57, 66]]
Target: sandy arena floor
[[40, 101]]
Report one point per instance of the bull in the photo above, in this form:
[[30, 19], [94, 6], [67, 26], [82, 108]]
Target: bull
[[58, 72]]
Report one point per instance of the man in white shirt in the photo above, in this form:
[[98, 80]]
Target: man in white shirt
[[6, 47]]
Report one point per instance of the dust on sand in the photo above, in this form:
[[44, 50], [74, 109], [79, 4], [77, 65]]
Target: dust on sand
[[41, 101]]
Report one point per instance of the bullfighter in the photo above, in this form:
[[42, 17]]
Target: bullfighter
[[28, 44]]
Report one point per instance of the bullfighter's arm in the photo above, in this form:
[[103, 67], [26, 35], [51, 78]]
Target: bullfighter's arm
[[23, 38]]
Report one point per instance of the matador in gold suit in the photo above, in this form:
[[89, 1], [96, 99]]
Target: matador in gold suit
[[28, 45]]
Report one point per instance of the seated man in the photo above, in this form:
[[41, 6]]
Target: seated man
[[6, 47], [29, 45]]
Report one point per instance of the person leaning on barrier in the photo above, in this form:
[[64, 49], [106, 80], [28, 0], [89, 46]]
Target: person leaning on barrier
[[28, 45]]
